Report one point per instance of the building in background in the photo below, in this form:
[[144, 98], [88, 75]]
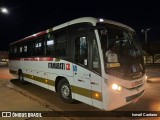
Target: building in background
[[151, 52], [3, 56]]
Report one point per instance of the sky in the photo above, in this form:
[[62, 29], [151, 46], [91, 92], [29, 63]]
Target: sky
[[27, 17]]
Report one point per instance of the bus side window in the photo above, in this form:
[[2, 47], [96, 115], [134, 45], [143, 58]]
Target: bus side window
[[50, 45], [81, 50], [30, 49], [15, 51], [25, 50], [37, 47], [61, 43], [20, 51]]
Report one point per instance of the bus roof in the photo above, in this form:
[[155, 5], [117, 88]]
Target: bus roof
[[78, 20]]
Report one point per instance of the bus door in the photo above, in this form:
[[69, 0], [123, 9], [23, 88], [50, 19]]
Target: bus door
[[86, 64], [82, 74], [96, 77]]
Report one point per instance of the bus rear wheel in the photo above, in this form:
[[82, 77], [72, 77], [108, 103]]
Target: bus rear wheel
[[64, 91]]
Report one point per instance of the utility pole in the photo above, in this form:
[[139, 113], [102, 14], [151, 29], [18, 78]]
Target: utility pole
[[145, 33]]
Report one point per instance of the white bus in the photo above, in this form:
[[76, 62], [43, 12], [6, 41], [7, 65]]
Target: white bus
[[95, 61]]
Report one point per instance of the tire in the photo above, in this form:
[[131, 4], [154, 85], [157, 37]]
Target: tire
[[64, 91], [20, 77]]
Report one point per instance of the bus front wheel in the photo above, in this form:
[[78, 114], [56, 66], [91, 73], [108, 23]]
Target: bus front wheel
[[64, 91]]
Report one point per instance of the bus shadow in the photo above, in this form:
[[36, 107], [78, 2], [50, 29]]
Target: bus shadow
[[17, 83], [39, 92]]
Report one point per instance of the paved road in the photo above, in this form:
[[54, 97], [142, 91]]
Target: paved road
[[29, 97]]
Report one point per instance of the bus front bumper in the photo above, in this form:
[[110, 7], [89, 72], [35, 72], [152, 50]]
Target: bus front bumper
[[113, 99]]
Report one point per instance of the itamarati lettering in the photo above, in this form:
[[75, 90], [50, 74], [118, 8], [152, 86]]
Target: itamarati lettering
[[56, 66]]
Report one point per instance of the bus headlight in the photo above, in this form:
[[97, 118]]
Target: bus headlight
[[116, 87]]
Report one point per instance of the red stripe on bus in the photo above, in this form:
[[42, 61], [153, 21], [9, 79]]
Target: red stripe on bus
[[35, 59], [41, 33], [31, 37]]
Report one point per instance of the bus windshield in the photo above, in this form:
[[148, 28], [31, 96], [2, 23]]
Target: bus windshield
[[121, 51]]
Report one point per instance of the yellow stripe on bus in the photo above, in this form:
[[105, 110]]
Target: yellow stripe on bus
[[40, 79], [87, 93], [75, 89]]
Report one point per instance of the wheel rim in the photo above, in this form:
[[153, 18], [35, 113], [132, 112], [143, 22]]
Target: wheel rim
[[65, 91]]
